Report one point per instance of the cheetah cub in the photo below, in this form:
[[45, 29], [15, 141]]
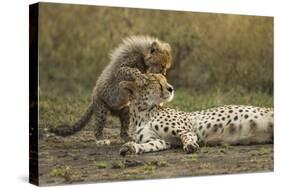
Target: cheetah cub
[[129, 64], [160, 128]]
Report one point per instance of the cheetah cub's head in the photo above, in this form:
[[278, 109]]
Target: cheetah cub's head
[[156, 91], [158, 57]]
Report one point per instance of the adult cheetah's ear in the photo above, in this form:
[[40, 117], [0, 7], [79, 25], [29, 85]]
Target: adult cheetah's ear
[[130, 86]]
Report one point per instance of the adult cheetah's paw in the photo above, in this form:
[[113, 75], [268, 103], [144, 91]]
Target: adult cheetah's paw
[[128, 148], [190, 147]]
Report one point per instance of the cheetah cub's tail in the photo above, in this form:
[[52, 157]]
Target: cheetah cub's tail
[[66, 130]]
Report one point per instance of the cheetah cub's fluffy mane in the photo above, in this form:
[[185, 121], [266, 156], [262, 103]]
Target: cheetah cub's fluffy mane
[[160, 128]]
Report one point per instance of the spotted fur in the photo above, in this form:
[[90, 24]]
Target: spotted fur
[[159, 128], [130, 62]]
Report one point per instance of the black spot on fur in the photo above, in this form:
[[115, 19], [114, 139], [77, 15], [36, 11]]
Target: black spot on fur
[[246, 116], [156, 127], [208, 125], [138, 132], [151, 144], [235, 118], [166, 129], [240, 110], [230, 111], [141, 136], [173, 133]]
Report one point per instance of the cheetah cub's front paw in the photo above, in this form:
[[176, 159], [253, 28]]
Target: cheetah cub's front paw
[[141, 80], [190, 147], [128, 148]]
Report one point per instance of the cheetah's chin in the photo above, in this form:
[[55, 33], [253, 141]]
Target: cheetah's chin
[[170, 98]]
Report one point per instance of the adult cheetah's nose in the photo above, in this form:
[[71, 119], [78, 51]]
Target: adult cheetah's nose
[[170, 88]]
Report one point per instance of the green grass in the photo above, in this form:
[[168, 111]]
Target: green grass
[[59, 107], [64, 172], [101, 165], [191, 100]]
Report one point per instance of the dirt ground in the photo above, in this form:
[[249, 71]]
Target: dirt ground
[[76, 159]]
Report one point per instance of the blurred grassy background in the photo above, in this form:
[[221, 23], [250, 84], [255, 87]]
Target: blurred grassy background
[[218, 58]]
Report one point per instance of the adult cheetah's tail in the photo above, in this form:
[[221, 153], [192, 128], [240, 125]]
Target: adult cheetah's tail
[[66, 130]]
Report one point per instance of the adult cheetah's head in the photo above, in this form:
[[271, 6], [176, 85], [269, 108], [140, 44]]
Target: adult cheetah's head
[[156, 91]]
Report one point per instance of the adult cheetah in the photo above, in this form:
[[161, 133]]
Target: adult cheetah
[[159, 128]]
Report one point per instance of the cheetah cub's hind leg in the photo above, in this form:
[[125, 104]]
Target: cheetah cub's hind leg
[[99, 118], [150, 146]]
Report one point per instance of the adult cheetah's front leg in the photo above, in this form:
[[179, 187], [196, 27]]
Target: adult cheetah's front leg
[[151, 146]]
